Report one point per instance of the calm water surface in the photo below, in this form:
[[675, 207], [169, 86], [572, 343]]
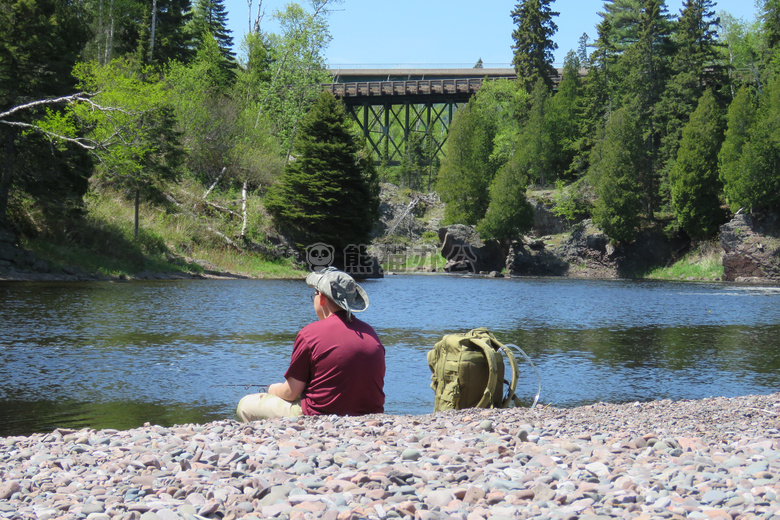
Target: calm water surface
[[120, 354]]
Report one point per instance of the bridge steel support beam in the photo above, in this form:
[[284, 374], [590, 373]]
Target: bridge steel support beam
[[389, 125]]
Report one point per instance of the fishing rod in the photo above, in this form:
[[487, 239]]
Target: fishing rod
[[245, 386]]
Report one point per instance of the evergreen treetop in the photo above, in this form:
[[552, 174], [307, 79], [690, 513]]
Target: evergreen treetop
[[533, 45], [326, 192]]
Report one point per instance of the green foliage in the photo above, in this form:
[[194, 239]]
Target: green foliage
[[535, 152], [39, 43], [616, 158], [564, 118], [751, 151], [483, 136], [509, 213], [569, 202], [533, 45], [695, 186], [622, 17], [221, 129], [697, 62], [465, 174], [741, 115], [136, 142], [146, 149], [702, 263], [753, 181], [159, 35], [325, 194], [298, 69], [209, 26], [741, 51]]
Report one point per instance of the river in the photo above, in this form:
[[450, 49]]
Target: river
[[117, 355]]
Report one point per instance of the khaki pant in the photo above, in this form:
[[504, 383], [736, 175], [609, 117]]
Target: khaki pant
[[255, 407]]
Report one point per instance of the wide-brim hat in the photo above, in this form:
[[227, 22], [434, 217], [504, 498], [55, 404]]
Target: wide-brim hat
[[340, 287]]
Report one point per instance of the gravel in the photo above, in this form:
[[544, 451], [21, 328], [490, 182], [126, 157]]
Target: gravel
[[703, 459]]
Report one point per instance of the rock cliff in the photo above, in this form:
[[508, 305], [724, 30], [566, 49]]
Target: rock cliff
[[751, 248]]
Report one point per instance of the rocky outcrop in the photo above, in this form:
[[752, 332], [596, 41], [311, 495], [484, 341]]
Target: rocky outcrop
[[466, 252], [529, 257], [14, 259], [588, 252], [545, 221], [404, 213], [751, 248]]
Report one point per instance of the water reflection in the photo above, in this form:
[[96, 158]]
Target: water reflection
[[118, 355]]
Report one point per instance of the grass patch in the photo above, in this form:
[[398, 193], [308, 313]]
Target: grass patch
[[174, 237], [702, 263], [249, 264]]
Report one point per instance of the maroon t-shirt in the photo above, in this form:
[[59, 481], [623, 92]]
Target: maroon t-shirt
[[343, 365]]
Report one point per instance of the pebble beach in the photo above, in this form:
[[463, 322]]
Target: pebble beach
[[710, 458]]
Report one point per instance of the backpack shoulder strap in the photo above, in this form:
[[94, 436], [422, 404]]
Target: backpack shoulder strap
[[489, 351], [510, 397]]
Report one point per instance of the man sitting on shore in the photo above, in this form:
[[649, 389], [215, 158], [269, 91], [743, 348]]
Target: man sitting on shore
[[338, 362]]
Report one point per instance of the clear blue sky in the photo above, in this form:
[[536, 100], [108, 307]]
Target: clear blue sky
[[441, 32]]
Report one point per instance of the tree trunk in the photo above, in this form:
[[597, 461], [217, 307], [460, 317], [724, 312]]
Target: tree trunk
[[154, 27], [109, 34], [214, 184], [137, 203], [243, 211]]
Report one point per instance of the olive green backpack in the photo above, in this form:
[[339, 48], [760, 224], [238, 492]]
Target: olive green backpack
[[468, 372]]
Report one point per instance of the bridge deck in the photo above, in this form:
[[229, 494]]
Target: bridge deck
[[428, 87], [400, 86]]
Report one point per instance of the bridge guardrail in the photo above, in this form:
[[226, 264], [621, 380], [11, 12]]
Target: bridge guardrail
[[405, 88]]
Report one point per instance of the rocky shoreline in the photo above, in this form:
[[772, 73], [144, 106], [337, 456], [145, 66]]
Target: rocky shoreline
[[711, 458]]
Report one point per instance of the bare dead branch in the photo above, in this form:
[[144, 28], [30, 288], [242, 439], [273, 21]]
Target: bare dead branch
[[214, 184], [79, 96], [226, 239], [221, 209], [87, 144]]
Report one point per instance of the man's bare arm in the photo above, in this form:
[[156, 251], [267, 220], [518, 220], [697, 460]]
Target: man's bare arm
[[290, 390]]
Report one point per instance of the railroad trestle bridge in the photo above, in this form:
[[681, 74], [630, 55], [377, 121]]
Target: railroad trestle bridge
[[394, 107]]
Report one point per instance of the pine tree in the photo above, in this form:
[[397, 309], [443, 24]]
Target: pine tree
[[770, 24], [695, 187], [172, 40], [509, 214], [536, 149], [599, 93], [465, 174], [564, 118], [622, 18], [644, 67], [328, 193], [696, 65], [614, 161], [533, 45], [209, 21], [752, 181], [740, 119]]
